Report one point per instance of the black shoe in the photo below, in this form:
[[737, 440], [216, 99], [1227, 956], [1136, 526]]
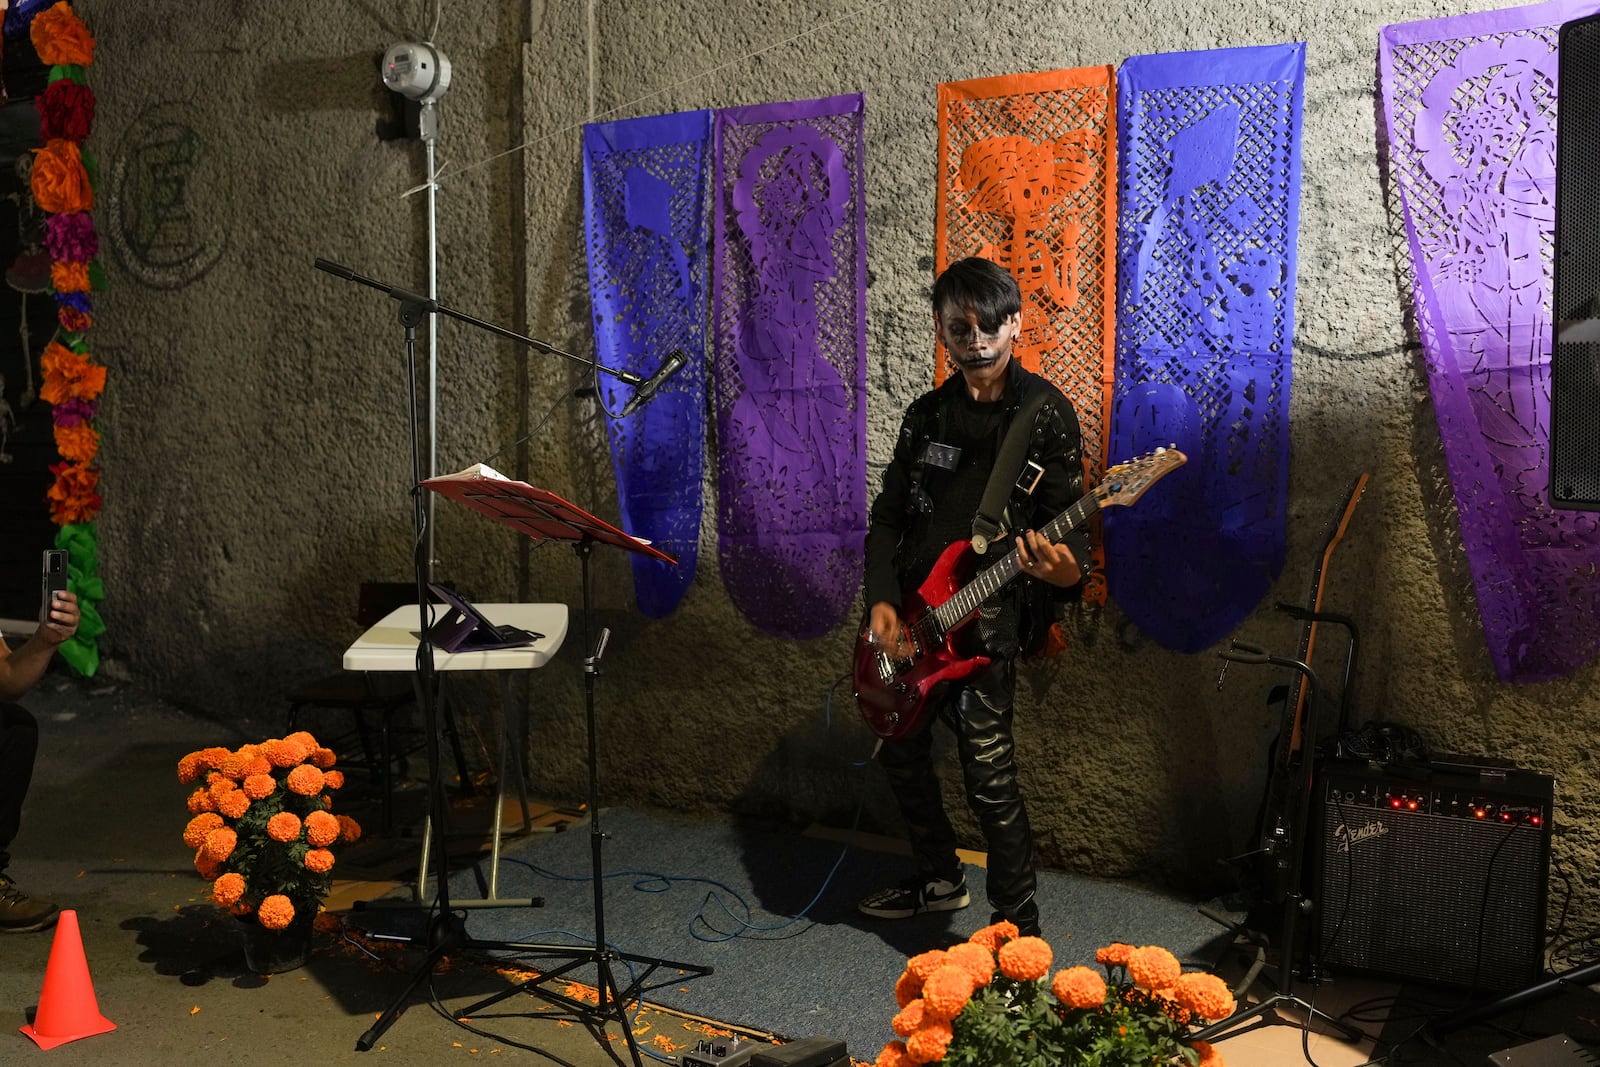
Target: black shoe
[[915, 897], [20, 913]]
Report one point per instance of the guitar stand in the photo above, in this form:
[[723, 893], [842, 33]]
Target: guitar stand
[[1291, 855], [614, 998]]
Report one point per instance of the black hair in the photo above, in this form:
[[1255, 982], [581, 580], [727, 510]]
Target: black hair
[[982, 285]]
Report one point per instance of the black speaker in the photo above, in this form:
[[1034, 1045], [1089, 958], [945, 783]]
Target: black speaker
[[1575, 355], [1434, 871]]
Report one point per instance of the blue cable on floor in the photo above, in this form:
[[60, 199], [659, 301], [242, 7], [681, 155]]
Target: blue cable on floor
[[655, 882]]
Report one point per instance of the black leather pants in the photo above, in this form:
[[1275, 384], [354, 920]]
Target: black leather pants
[[979, 712]]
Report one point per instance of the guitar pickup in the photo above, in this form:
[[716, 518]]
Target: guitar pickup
[[1028, 480]]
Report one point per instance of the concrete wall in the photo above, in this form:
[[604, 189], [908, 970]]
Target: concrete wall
[[256, 459]]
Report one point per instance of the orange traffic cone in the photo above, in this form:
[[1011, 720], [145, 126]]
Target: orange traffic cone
[[67, 1008]]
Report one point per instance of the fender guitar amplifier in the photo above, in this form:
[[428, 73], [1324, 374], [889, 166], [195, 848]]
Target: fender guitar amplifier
[[1434, 871]]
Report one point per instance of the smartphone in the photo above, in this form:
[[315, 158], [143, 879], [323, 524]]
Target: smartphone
[[54, 577]]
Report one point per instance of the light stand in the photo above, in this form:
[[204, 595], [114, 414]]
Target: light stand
[[1290, 858], [447, 931]]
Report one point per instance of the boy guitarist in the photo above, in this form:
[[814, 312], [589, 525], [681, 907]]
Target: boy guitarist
[[936, 484]]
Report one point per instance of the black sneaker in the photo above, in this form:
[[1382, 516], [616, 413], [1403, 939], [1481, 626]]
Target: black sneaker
[[20, 913], [915, 897]]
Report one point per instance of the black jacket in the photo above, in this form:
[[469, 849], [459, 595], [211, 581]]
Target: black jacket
[[905, 536]]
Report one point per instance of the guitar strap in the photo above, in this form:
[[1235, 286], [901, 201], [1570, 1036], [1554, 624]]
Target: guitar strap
[[1011, 472]]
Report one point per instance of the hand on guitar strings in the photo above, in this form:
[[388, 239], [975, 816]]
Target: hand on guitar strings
[[1047, 562], [886, 631]]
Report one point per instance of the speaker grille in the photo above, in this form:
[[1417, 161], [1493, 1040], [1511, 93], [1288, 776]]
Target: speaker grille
[[1575, 366], [1433, 874]]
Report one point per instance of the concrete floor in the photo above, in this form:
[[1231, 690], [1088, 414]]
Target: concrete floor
[[101, 835]]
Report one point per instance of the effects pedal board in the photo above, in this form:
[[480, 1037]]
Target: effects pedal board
[[718, 1052]]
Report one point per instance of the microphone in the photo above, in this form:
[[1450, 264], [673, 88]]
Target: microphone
[[647, 388]]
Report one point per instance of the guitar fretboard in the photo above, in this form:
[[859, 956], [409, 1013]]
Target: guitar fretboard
[[965, 601]]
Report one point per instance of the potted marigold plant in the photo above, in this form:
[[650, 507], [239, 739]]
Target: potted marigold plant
[[264, 836], [986, 1002]]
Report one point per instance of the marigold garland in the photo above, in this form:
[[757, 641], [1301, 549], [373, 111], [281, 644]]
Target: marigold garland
[[62, 182]]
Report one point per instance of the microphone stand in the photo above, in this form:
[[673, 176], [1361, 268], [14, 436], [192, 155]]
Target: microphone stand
[[447, 931], [428, 305]]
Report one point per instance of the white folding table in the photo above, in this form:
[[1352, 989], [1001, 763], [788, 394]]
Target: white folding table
[[391, 644]]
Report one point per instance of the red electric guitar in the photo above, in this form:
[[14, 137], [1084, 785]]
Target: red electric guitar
[[893, 693]]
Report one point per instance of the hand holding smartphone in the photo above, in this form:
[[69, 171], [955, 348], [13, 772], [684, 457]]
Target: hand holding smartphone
[[52, 580]]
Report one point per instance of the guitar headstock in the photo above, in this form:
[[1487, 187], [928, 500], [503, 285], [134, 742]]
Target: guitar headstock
[[1127, 482]]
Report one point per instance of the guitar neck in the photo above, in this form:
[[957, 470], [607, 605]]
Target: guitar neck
[[993, 579]]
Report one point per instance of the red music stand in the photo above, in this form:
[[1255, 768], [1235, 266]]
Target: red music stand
[[542, 515]]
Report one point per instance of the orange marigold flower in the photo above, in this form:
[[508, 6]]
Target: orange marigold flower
[[233, 804], [322, 829], [1163, 999], [333, 779], [220, 787], [1079, 987], [284, 752], [189, 768], [1153, 967], [1114, 954], [259, 786], [68, 375], [349, 829], [1209, 1056], [276, 912], [305, 780], [72, 497], [69, 277], [946, 992], [211, 758], [907, 988], [1027, 959], [77, 444], [322, 757], [194, 835], [994, 935], [220, 843], [893, 1055], [59, 181], [978, 961], [908, 1018], [284, 826], [61, 38], [258, 764], [200, 801], [925, 963], [208, 868], [304, 739], [234, 766], [227, 889], [929, 1043], [319, 860], [1204, 994]]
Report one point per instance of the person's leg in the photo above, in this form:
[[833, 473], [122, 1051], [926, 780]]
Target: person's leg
[[988, 763], [939, 884], [19, 743]]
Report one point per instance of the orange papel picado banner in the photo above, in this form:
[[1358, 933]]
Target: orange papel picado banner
[[1027, 178]]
